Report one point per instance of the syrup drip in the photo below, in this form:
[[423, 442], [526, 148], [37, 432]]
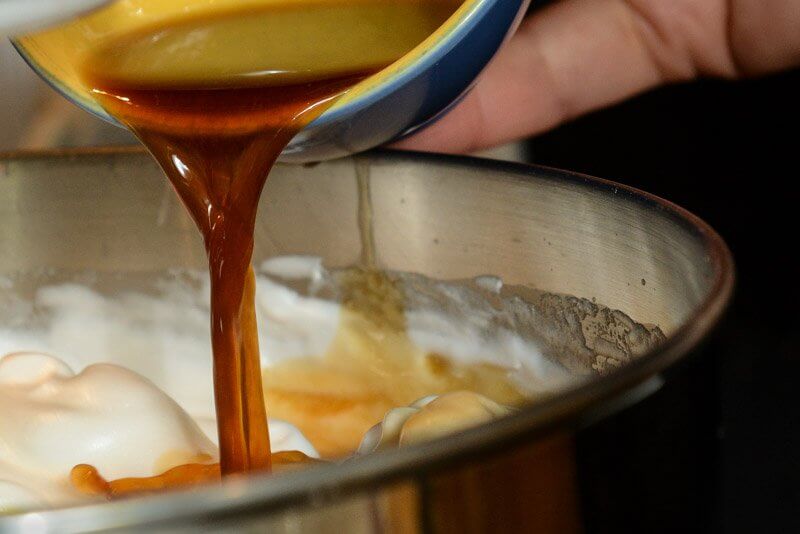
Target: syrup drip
[[88, 480]]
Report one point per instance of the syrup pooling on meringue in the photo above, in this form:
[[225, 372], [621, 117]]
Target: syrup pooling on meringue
[[370, 366], [136, 436], [52, 417]]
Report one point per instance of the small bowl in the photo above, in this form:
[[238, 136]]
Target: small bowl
[[410, 93]]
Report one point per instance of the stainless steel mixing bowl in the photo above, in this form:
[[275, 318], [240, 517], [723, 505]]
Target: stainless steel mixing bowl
[[446, 217]]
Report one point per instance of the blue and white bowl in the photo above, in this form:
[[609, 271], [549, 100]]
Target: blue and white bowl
[[400, 99]]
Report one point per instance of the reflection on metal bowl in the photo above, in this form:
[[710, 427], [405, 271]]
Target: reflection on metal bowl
[[545, 468]]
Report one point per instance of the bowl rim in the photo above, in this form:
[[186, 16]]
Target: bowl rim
[[459, 28], [572, 408], [459, 24]]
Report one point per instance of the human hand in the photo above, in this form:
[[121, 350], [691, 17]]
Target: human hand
[[575, 56]]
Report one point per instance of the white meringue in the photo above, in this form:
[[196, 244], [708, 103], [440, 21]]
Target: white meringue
[[52, 419], [430, 418]]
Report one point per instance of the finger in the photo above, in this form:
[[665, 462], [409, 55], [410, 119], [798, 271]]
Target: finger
[[765, 35], [567, 59]]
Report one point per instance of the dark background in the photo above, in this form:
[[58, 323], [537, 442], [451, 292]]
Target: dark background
[[726, 151]]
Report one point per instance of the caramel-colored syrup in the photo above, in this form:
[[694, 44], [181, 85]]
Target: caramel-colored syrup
[[216, 132], [217, 147], [89, 481]]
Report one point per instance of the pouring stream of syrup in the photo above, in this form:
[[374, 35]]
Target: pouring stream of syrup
[[217, 140], [217, 147]]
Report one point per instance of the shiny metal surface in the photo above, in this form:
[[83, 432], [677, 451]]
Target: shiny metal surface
[[445, 217]]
